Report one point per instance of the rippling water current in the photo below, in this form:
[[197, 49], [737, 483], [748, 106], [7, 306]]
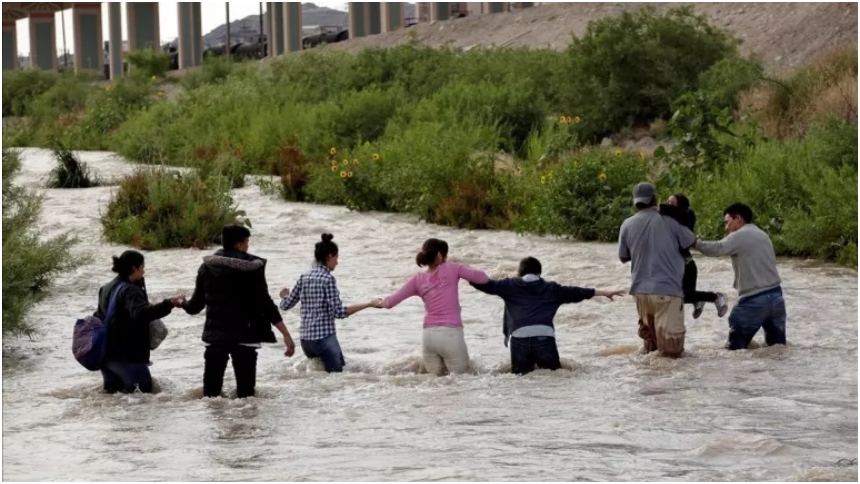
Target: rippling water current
[[783, 413]]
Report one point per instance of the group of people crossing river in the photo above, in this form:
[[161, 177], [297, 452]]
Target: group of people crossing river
[[240, 314]]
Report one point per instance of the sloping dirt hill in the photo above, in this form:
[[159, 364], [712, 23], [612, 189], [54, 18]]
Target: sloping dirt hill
[[784, 35]]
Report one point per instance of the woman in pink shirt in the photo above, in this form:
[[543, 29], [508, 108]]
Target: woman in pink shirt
[[444, 346]]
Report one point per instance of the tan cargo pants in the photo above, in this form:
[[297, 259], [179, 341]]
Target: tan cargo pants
[[661, 323]]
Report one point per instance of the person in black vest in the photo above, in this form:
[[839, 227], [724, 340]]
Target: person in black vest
[[126, 363], [530, 307], [231, 285]]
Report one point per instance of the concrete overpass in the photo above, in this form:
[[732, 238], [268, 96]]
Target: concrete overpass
[[142, 23]]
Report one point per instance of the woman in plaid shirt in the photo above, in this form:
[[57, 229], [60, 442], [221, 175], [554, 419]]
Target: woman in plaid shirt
[[321, 305]]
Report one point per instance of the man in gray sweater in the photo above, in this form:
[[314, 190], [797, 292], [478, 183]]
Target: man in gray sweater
[[761, 304]]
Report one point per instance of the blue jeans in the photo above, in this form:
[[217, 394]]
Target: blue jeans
[[126, 377], [328, 349], [765, 310], [540, 351]]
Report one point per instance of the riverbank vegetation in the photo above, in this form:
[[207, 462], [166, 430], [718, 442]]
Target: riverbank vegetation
[[532, 140]]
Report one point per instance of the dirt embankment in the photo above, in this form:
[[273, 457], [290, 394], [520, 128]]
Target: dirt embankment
[[784, 35]]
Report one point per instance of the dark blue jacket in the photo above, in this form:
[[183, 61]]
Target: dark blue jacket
[[531, 303]]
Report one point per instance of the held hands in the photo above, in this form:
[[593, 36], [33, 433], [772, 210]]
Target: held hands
[[609, 293], [376, 303], [178, 301], [284, 292]]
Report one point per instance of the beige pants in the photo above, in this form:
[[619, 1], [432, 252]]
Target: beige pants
[[445, 350], [661, 323]]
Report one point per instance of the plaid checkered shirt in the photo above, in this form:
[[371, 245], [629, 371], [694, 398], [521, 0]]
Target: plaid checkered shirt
[[321, 304]]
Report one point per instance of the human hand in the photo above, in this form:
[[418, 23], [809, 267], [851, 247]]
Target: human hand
[[284, 292], [376, 303], [178, 301], [609, 293], [289, 345]]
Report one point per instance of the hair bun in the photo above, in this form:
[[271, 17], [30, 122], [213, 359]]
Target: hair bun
[[116, 264], [327, 237]]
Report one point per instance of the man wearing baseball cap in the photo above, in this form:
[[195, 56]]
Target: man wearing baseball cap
[[652, 243]]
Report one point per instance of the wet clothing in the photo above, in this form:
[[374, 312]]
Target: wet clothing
[[231, 286], [753, 259], [444, 350], [653, 242], [126, 377], [128, 331], [326, 349], [765, 310], [661, 323], [321, 304], [687, 218], [439, 291], [244, 367], [530, 307]]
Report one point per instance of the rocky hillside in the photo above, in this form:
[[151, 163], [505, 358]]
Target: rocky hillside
[[784, 35]]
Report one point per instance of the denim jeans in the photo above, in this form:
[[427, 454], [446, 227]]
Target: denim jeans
[[540, 351], [765, 310], [244, 367], [327, 349], [126, 377]]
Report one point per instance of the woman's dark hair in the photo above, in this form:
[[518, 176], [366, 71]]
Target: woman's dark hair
[[429, 251], [127, 262], [325, 248], [683, 201]]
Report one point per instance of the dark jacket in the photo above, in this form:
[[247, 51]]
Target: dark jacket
[[128, 331], [232, 287], [531, 303], [687, 218]]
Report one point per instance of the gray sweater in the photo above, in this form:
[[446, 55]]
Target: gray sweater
[[753, 259]]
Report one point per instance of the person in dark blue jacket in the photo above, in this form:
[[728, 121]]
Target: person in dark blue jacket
[[530, 307]]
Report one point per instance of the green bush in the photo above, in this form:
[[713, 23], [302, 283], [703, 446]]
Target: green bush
[[70, 171], [30, 264], [728, 77], [215, 70], [586, 196], [800, 194], [632, 67], [158, 209], [110, 108], [148, 63], [21, 87]]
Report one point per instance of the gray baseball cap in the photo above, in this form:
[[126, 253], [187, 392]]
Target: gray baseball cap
[[644, 193]]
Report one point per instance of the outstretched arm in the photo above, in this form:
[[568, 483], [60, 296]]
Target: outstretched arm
[[198, 300], [408, 290], [293, 297], [727, 246], [472, 275]]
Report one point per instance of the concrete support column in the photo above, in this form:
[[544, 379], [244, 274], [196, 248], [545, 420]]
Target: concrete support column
[[365, 18], [440, 11], [393, 16], [190, 35], [115, 39], [43, 40], [293, 26], [10, 45], [144, 31], [275, 20], [522, 5], [87, 18], [495, 7]]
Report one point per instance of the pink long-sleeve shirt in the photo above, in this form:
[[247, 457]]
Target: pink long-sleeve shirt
[[438, 290]]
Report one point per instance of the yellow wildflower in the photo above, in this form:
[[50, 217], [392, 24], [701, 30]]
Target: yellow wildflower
[[349, 174], [642, 155], [543, 180], [334, 168], [562, 119], [343, 174], [160, 93], [376, 157], [617, 152], [345, 162], [355, 161], [602, 175], [153, 78], [332, 151], [576, 119]]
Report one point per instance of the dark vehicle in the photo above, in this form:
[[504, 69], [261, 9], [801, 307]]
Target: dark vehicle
[[329, 34]]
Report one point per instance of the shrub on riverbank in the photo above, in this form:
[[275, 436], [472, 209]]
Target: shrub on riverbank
[[158, 209], [30, 264], [70, 171]]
